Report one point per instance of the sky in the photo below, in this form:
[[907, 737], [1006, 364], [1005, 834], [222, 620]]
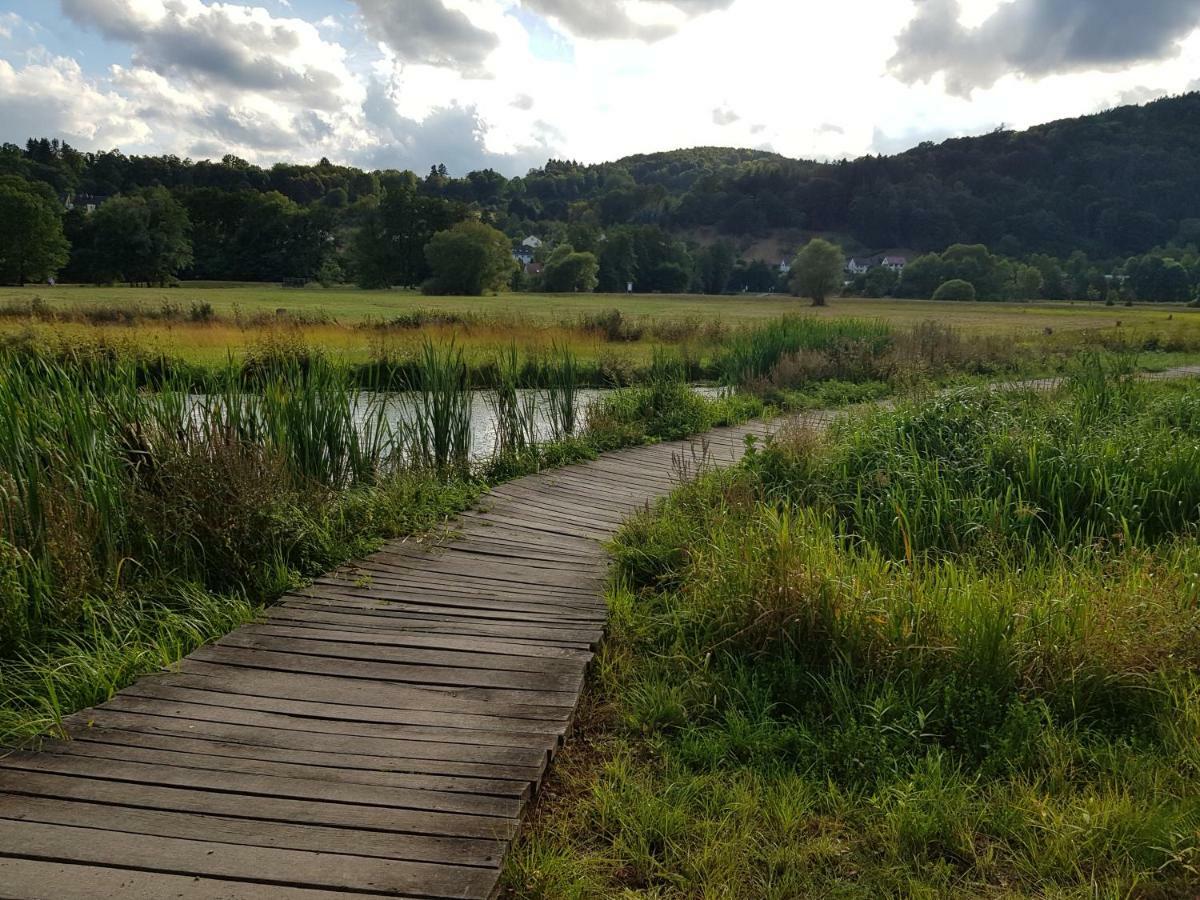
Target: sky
[[507, 84]]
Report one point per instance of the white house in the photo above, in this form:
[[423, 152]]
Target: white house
[[784, 267], [532, 242], [895, 263], [858, 266], [523, 254]]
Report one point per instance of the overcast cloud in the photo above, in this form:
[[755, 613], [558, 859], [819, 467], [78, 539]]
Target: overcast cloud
[[1039, 37]]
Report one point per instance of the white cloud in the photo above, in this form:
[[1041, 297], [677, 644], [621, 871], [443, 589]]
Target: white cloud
[[356, 84], [225, 45], [53, 98]]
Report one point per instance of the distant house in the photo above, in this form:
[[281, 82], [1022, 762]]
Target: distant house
[[860, 265], [784, 267], [523, 254], [532, 242], [87, 202]]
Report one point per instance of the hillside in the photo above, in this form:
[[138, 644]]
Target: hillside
[[1108, 185]]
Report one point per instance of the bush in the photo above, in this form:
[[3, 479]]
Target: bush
[[955, 289]]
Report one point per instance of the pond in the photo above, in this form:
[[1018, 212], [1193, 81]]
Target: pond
[[399, 411]]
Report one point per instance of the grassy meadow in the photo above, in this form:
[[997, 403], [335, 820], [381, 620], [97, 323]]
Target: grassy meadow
[[943, 650], [204, 325]]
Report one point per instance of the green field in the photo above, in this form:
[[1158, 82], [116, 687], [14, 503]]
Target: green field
[[361, 327], [350, 305]]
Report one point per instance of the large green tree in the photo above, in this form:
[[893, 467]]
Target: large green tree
[[714, 267], [144, 238], [32, 246], [471, 258], [817, 271], [570, 270]]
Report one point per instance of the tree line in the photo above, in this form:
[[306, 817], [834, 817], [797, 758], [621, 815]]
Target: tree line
[[1077, 204]]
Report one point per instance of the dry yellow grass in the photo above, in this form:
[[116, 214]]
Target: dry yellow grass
[[247, 317]]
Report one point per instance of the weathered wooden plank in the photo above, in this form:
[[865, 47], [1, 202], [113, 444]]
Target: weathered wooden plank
[[417, 755], [81, 765], [36, 879], [332, 689], [524, 687], [225, 860], [351, 767], [186, 753], [335, 645], [294, 720], [252, 832], [329, 612], [480, 647], [276, 809]]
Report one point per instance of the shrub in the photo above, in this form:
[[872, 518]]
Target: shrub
[[955, 289]]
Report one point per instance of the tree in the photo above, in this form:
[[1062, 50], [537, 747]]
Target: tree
[[32, 246], [1155, 278], [369, 251], [714, 267], [569, 270], [817, 271], [879, 281], [1028, 283], [468, 259], [142, 239], [922, 276], [618, 260]]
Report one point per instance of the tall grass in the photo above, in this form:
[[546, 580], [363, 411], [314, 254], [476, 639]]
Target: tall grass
[[443, 409], [562, 376], [515, 412], [855, 668], [753, 352]]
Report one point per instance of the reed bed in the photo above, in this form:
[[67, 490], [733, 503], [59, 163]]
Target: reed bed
[[944, 650]]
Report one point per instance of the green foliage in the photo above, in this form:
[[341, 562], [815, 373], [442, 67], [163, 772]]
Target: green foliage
[[32, 245], [443, 413], [471, 258], [753, 352], [796, 702], [955, 289], [143, 238], [817, 271], [567, 270]]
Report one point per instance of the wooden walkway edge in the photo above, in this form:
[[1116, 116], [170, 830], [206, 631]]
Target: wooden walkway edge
[[377, 733]]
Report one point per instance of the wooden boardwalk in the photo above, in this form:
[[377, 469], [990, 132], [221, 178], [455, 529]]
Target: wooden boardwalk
[[378, 733]]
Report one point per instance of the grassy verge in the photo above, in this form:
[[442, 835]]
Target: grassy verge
[[947, 650]]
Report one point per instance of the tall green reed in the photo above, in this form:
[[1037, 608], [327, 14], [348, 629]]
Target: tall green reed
[[442, 411], [562, 392], [514, 410], [751, 353]]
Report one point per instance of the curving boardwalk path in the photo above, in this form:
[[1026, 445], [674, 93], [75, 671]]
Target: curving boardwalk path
[[378, 733]]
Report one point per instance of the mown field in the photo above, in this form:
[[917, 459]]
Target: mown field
[[947, 650]]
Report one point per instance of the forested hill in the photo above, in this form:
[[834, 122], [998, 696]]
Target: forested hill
[[1109, 185]]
